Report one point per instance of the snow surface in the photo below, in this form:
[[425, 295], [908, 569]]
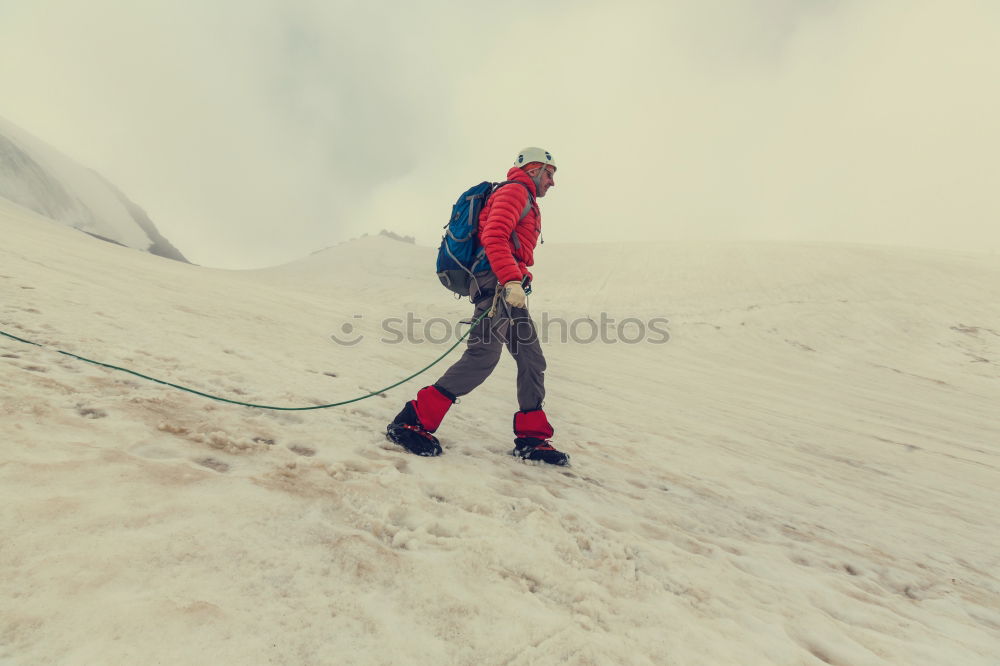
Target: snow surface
[[806, 473]]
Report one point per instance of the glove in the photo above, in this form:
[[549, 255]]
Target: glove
[[514, 294]]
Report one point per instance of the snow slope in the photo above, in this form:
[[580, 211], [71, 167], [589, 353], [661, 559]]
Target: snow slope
[[805, 473], [41, 179]]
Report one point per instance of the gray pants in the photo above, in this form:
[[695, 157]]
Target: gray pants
[[508, 327]]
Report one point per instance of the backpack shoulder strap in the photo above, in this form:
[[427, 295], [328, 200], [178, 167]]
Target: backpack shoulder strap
[[531, 197], [527, 207]]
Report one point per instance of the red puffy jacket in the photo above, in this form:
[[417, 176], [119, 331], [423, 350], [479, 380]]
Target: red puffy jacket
[[499, 218]]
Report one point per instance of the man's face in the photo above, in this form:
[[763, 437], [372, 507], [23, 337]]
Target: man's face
[[544, 177]]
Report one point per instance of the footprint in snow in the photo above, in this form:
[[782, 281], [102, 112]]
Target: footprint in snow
[[214, 464], [90, 412]]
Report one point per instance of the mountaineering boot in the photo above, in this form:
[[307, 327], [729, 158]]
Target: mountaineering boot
[[413, 426], [530, 448], [532, 431], [406, 431]]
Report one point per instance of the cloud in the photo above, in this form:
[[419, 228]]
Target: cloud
[[256, 132], [846, 123]]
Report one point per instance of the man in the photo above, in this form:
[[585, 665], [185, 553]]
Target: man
[[509, 241]]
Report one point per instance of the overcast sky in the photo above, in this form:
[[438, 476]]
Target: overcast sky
[[255, 132]]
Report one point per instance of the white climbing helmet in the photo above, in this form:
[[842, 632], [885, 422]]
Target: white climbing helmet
[[532, 154]]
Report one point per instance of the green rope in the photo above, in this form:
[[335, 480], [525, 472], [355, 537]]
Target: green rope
[[248, 404]]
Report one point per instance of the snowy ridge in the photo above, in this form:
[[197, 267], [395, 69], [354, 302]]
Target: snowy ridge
[[806, 473], [43, 180]]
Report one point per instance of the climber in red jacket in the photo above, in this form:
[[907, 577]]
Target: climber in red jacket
[[509, 241]]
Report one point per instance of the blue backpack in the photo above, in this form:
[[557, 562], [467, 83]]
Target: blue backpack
[[461, 256]]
